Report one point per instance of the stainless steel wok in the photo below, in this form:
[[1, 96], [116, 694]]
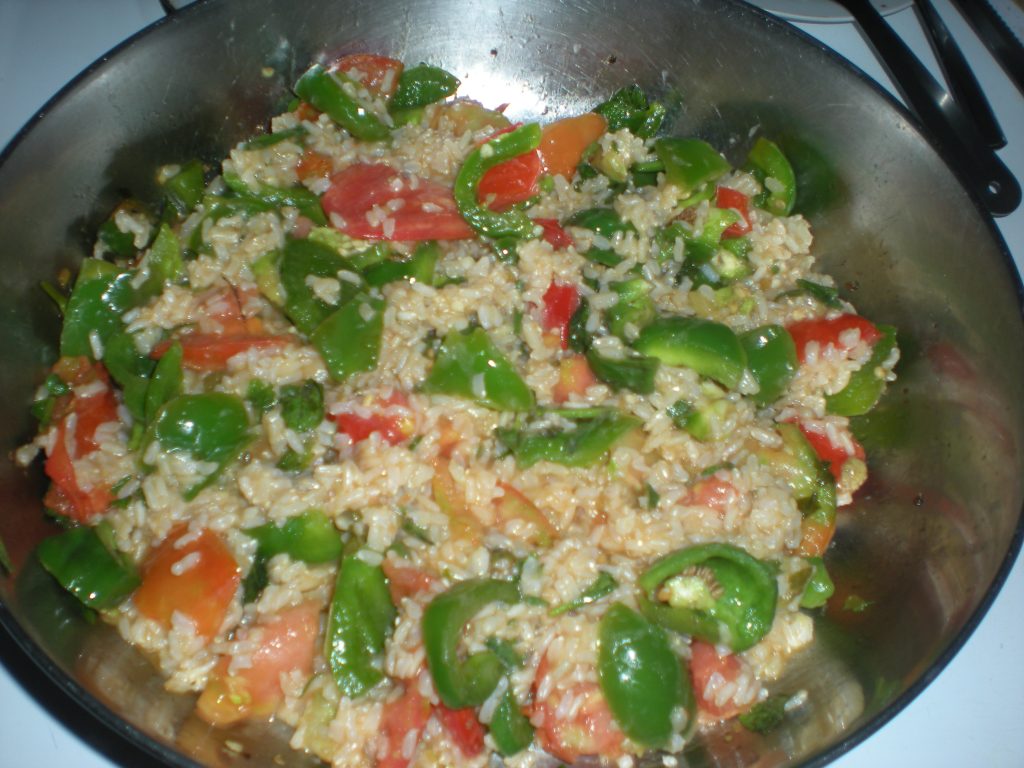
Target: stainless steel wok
[[930, 538]]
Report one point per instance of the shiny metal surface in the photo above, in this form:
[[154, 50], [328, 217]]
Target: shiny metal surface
[[929, 535]]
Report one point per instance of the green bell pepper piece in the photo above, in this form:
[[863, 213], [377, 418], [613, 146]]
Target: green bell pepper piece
[[305, 201], [349, 339], [163, 263], [469, 365], [360, 619], [130, 369], [102, 293], [604, 221], [299, 260], [422, 85], [819, 587], [310, 537], [87, 568], [184, 190], [463, 681], [690, 163], [510, 728], [418, 268], [298, 134], [509, 224], [709, 348], [629, 108], [600, 587], [716, 592], [826, 294], [302, 405], [166, 383], [212, 426], [641, 677], [326, 91], [633, 307], [769, 166], [766, 715], [865, 386], [771, 358], [702, 422], [633, 373], [586, 443], [260, 395], [121, 244], [580, 338]]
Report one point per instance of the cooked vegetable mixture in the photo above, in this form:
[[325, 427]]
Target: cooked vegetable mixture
[[437, 436]]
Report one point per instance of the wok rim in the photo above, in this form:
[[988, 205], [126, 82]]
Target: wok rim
[[69, 689]]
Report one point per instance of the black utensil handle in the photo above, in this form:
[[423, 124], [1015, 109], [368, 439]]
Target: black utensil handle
[[962, 82], [1000, 40], [959, 140]]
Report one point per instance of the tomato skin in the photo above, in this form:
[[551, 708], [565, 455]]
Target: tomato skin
[[314, 165], [380, 74], [287, 642], [394, 423], [211, 351], [463, 728], [715, 493], [574, 378], [704, 663], [409, 712], [406, 580], [513, 181], [733, 199], [827, 332], [833, 455], [357, 189], [65, 496], [590, 731], [555, 235], [563, 142], [203, 592], [561, 300], [815, 537]]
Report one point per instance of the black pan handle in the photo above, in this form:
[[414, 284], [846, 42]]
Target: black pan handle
[[960, 142], [961, 80]]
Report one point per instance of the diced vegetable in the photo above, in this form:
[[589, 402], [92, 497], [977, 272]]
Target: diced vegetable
[[715, 592], [360, 620], [326, 91], [770, 166], [422, 85], [629, 108], [88, 568], [463, 681], [771, 358], [709, 348], [690, 163], [867, 383], [469, 365], [191, 573], [360, 195], [488, 223], [586, 443], [640, 675], [510, 727], [349, 339], [561, 300], [287, 644], [563, 142], [310, 537]]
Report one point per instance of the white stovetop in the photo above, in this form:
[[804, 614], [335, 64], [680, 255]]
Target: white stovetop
[[969, 716]]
